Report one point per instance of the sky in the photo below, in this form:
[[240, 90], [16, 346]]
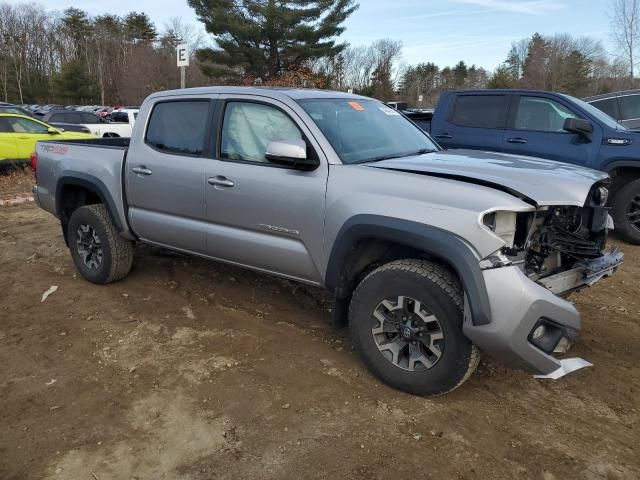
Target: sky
[[479, 32]]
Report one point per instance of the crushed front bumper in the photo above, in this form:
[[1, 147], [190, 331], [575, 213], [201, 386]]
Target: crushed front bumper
[[519, 306], [585, 274]]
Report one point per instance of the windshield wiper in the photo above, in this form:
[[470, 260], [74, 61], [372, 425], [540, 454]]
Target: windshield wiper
[[422, 151]]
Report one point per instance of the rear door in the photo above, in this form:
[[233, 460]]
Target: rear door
[[263, 215], [165, 174], [8, 149], [536, 129], [472, 120]]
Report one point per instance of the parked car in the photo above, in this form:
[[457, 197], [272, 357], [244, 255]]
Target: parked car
[[432, 255], [19, 134], [9, 108], [548, 125], [95, 124], [622, 106]]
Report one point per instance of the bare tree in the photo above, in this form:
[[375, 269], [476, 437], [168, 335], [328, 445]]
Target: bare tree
[[625, 25]]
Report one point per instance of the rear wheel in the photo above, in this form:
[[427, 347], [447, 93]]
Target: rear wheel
[[406, 321], [625, 211], [99, 253]]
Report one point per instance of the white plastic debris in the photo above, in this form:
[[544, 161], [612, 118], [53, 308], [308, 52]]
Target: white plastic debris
[[46, 294], [567, 366]]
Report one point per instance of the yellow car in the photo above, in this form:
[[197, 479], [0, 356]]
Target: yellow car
[[19, 134]]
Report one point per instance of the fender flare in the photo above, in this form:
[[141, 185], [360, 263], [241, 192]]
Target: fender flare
[[622, 163], [431, 240], [93, 184]]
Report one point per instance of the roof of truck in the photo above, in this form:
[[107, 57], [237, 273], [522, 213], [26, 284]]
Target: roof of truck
[[606, 96], [275, 92]]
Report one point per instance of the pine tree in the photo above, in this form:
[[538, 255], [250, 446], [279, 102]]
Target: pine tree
[[502, 78], [534, 70], [139, 28], [267, 37], [577, 74], [460, 73], [73, 84], [77, 27]]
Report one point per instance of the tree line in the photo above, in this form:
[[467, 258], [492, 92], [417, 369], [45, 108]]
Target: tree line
[[72, 57]]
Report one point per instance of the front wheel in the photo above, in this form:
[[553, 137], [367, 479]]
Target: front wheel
[[625, 211], [99, 253], [406, 321]]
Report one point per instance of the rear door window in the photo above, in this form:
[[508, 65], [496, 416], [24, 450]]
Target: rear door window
[[479, 111], [608, 106], [89, 118], [74, 117], [179, 127], [630, 107]]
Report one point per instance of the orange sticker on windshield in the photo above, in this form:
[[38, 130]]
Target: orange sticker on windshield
[[356, 106]]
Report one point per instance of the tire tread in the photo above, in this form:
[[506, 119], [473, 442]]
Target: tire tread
[[447, 281], [122, 251]]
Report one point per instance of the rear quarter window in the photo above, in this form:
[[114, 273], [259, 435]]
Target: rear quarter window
[[178, 127], [479, 111]]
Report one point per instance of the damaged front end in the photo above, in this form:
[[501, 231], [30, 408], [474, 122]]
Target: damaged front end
[[548, 253], [562, 248]]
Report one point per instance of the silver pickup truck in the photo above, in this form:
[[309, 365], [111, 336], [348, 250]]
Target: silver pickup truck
[[432, 256]]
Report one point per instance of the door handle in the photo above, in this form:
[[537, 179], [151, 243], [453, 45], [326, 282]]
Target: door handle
[[220, 181], [521, 141], [444, 136], [142, 170]]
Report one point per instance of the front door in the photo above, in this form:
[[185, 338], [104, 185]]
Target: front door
[[26, 133], [262, 215], [536, 129], [166, 175]]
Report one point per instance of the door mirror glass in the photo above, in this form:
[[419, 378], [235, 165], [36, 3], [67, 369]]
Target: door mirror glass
[[291, 153], [579, 126]]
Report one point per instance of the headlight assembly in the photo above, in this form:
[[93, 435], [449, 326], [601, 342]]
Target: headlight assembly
[[503, 224], [600, 196]]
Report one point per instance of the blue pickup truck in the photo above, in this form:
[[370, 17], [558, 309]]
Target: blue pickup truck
[[547, 125]]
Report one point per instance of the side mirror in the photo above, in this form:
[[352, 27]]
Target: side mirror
[[54, 131], [290, 153], [582, 127]]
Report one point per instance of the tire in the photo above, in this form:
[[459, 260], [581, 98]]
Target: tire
[[99, 253], [440, 295], [625, 210]]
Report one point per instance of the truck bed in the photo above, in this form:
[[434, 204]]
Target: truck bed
[[98, 161]]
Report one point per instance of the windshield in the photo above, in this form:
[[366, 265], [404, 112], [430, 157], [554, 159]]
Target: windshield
[[366, 130], [599, 114]]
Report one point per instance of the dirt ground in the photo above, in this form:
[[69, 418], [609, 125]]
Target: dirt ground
[[189, 369], [15, 180]]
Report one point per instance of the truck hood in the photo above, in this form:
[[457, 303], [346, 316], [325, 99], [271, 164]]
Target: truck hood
[[543, 182]]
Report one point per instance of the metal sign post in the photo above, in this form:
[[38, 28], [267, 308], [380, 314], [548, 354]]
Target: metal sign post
[[182, 51]]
